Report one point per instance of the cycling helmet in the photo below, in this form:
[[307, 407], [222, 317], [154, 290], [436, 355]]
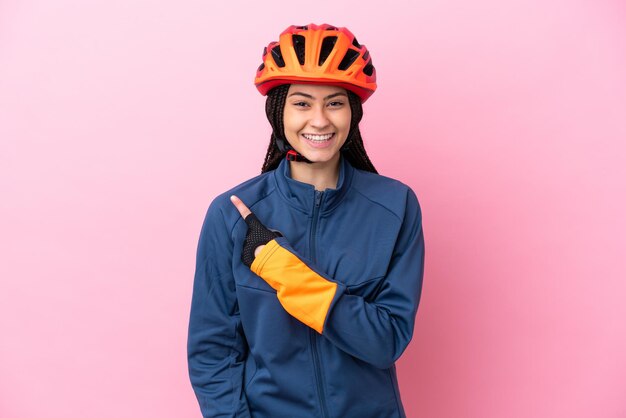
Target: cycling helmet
[[315, 54]]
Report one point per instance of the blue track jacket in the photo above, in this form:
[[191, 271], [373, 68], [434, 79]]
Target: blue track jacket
[[314, 327]]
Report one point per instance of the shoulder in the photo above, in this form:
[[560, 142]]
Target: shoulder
[[388, 192]]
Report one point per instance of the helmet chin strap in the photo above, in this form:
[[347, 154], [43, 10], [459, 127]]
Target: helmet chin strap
[[292, 154]]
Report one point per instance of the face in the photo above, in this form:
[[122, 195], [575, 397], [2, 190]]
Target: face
[[317, 120]]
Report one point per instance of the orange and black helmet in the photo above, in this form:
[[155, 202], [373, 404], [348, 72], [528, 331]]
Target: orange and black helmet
[[314, 54]]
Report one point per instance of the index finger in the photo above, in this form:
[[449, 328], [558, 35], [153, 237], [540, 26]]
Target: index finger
[[241, 207]]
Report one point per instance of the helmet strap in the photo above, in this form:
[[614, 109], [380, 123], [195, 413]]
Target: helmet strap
[[346, 145], [291, 154]]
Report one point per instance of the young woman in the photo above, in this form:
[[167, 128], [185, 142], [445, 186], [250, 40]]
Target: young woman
[[309, 275]]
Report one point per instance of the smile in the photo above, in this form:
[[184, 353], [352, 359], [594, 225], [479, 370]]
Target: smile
[[318, 138]]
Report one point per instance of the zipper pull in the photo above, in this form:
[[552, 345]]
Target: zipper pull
[[318, 197]]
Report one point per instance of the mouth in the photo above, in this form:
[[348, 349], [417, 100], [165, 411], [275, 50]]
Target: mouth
[[319, 141]]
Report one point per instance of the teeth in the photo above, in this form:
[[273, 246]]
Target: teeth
[[317, 137]]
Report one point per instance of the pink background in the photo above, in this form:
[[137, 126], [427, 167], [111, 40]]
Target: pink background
[[121, 120]]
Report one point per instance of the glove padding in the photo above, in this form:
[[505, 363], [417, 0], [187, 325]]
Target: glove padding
[[257, 235]]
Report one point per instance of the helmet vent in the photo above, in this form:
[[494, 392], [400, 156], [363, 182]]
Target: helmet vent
[[348, 59], [366, 55], [327, 46], [331, 28], [298, 45], [278, 56], [369, 69], [261, 67], [356, 43]]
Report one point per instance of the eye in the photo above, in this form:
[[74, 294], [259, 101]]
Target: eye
[[336, 104], [300, 104]]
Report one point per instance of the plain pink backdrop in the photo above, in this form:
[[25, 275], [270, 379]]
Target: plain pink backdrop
[[121, 120]]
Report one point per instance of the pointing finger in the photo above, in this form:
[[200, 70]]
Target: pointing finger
[[241, 207]]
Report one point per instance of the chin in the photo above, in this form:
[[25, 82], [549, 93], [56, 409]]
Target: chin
[[318, 157]]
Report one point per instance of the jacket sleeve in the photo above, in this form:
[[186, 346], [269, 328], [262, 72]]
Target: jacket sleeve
[[376, 331], [216, 346]]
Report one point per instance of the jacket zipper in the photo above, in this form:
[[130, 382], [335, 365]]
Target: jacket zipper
[[313, 337]]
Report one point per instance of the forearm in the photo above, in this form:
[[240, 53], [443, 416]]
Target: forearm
[[376, 332], [367, 331]]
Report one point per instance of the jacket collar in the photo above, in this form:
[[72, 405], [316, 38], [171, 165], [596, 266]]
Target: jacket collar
[[302, 195]]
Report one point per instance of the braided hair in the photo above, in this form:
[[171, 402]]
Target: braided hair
[[352, 149]]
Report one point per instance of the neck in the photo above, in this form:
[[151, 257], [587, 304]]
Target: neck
[[322, 175]]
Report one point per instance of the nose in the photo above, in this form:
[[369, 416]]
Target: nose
[[319, 119]]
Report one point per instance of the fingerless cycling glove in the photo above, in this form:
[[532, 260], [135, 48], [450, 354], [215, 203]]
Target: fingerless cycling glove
[[257, 235]]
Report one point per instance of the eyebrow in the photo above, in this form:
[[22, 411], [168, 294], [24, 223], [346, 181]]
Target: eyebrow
[[330, 96]]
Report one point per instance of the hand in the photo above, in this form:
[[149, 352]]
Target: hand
[[258, 235]]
